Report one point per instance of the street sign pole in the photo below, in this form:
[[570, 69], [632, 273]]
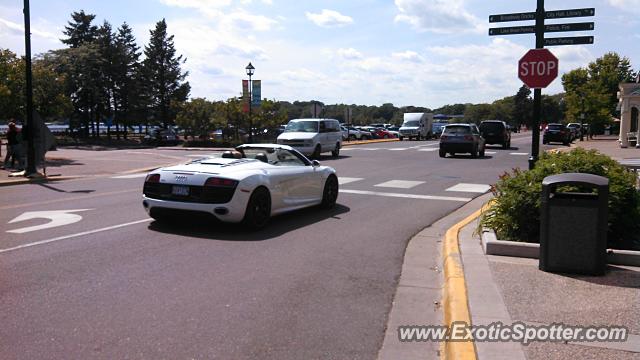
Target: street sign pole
[[537, 93], [31, 146]]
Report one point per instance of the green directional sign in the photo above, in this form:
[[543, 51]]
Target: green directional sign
[[585, 26], [575, 40], [512, 17], [554, 14], [514, 30], [561, 14]]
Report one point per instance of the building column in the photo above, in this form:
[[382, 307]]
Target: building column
[[625, 123]]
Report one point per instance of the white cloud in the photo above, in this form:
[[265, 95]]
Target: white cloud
[[349, 54], [10, 27], [329, 18], [439, 16], [408, 55], [627, 5], [216, 10]]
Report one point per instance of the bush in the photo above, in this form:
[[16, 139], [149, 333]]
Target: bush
[[515, 212]]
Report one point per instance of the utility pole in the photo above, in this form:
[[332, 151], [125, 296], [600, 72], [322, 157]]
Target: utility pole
[[31, 146]]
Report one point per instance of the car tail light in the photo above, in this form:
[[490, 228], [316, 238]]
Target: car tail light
[[152, 178], [468, 137], [220, 182]]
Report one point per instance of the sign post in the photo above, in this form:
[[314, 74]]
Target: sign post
[[538, 68]]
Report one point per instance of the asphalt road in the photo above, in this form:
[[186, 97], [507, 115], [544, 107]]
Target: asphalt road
[[315, 284]]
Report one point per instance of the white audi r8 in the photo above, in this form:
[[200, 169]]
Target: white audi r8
[[248, 185]]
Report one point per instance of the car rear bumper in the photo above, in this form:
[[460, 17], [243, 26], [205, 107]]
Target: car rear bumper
[[494, 140], [457, 147], [232, 211]]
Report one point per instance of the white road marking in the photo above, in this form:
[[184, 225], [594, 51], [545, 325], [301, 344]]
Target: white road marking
[[56, 218], [346, 149], [399, 149], [519, 153], [400, 184], [472, 188], [369, 149], [428, 150], [490, 152], [345, 180], [130, 176], [406, 196], [202, 155], [42, 242]]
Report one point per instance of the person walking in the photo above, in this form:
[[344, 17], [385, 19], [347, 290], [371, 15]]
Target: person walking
[[13, 144]]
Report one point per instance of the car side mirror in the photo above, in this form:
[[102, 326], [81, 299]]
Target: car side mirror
[[315, 163]]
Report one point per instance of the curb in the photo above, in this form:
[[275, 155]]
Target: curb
[[363, 142], [36, 180], [455, 298]]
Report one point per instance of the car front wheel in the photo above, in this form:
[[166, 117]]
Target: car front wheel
[[442, 153], [336, 151], [258, 209], [330, 193], [316, 152]]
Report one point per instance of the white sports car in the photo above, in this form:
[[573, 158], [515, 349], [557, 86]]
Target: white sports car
[[248, 185]]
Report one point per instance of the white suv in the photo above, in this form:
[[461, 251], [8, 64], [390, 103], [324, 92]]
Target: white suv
[[313, 136]]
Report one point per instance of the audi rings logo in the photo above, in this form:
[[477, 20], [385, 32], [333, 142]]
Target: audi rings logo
[[181, 178]]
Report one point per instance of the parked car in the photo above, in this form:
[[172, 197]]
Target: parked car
[[358, 134], [248, 186], [382, 133], [395, 131], [556, 133], [576, 129], [313, 136], [345, 133], [461, 138], [496, 132], [437, 127], [160, 137]]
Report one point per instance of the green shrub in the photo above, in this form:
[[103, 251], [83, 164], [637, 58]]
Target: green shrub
[[515, 214]]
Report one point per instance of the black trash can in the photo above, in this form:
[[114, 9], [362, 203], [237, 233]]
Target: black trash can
[[573, 225]]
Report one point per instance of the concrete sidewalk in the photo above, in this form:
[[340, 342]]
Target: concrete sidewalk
[[508, 290]]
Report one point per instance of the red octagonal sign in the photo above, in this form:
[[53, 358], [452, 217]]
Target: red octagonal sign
[[538, 68]]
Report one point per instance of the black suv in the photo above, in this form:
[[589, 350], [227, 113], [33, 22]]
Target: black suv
[[496, 132]]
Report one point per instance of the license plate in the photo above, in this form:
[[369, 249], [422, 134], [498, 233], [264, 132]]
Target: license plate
[[180, 190]]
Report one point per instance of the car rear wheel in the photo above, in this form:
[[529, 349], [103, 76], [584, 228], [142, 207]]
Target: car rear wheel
[[474, 152], [336, 151], [258, 209], [316, 152], [505, 145], [442, 153], [352, 137], [330, 193], [482, 152]]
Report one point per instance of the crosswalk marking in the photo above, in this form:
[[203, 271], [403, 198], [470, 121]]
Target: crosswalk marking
[[399, 149], [471, 188], [346, 180], [519, 153], [400, 184], [428, 150], [130, 176], [490, 152], [406, 196]]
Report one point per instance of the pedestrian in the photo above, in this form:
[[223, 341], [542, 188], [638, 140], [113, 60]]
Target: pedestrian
[[13, 143]]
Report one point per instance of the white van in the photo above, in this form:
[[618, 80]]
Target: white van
[[313, 136], [417, 126]]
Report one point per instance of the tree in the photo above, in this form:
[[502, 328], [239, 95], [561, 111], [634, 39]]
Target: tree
[[79, 31], [11, 85], [522, 107], [197, 117], [163, 78], [608, 72], [126, 77]]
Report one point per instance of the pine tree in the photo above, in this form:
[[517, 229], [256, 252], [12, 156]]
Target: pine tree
[[104, 42], [79, 31], [163, 79], [126, 96]]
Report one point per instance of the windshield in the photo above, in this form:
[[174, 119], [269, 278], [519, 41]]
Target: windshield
[[411, 123], [555, 127], [494, 126], [302, 126], [457, 130]]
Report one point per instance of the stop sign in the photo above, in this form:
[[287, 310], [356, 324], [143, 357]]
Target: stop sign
[[538, 68]]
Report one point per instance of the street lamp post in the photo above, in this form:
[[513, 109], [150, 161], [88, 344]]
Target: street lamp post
[[250, 70]]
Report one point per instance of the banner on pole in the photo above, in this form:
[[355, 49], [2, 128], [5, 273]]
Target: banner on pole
[[256, 92], [245, 96]]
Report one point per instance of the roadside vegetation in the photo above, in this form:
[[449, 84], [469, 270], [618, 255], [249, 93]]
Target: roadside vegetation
[[514, 213]]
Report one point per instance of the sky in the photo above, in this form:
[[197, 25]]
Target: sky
[[368, 52]]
